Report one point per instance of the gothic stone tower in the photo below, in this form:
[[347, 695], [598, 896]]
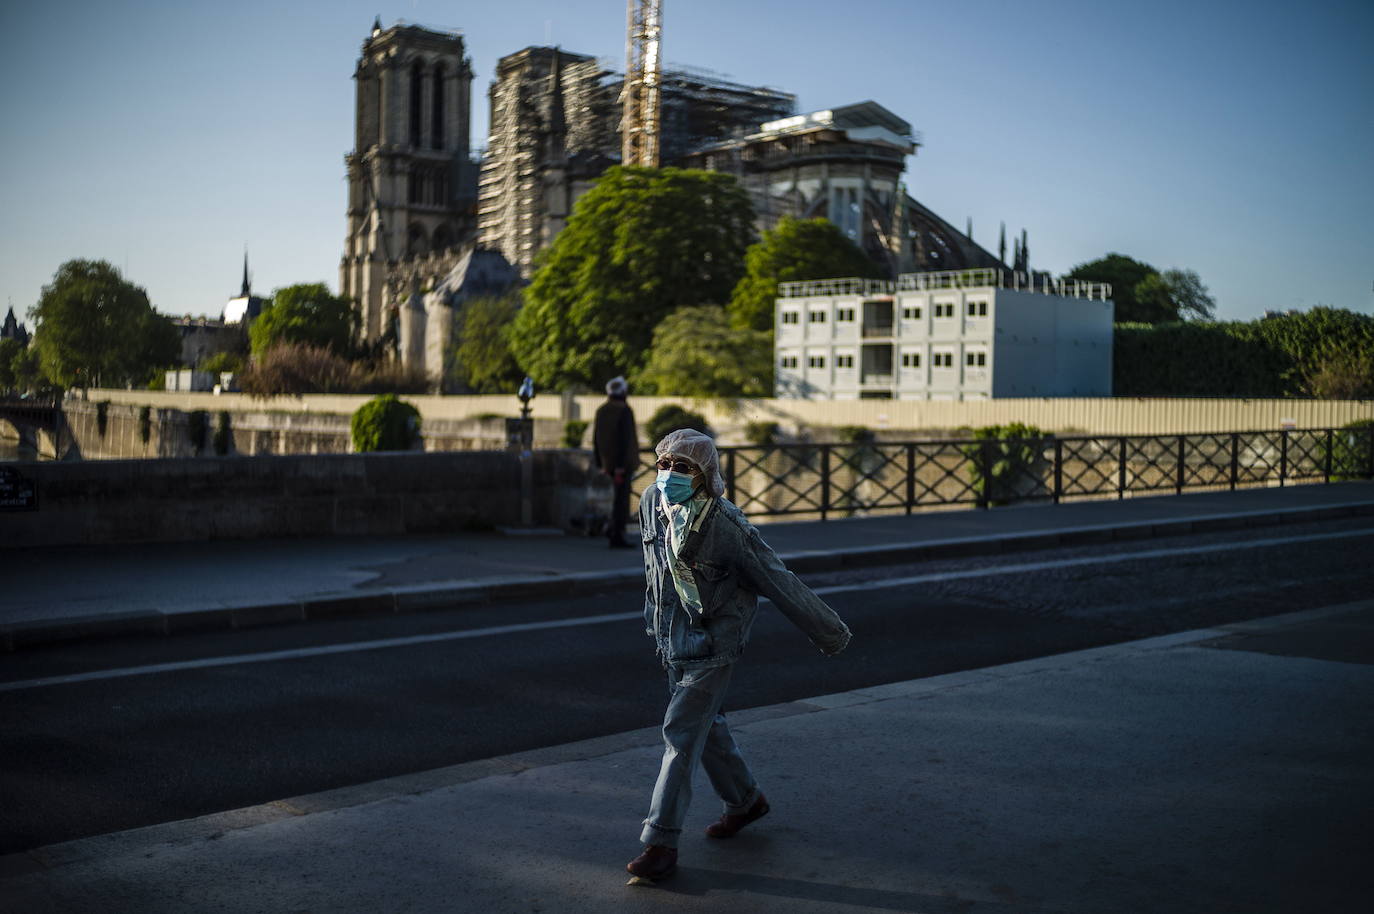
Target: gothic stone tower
[[411, 183]]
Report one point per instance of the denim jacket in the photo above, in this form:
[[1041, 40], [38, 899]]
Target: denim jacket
[[732, 566]]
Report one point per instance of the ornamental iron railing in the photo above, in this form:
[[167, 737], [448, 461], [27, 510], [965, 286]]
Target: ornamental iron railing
[[822, 481]]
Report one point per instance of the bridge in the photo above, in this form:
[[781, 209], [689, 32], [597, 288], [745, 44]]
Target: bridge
[[32, 415]]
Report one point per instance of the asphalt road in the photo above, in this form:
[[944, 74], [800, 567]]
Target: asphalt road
[[330, 706]]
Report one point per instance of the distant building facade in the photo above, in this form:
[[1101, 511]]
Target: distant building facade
[[845, 164], [555, 127], [949, 335], [411, 182], [202, 337], [245, 308]]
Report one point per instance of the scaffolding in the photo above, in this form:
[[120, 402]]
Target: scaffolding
[[641, 93]]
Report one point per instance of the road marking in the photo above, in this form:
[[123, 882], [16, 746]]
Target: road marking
[[496, 630], [938, 576], [321, 651]]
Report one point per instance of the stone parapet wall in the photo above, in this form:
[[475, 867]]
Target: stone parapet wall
[[200, 498], [252, 432], [1062, 415]]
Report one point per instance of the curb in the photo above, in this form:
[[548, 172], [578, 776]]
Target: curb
[[427, 597]]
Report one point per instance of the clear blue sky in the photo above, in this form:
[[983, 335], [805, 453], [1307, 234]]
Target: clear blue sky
[[1232, 138]]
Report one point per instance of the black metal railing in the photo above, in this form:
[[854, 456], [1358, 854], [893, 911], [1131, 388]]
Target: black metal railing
[[843, 480]]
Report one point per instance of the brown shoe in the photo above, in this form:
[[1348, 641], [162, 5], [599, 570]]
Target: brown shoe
[[657, 862], [727, 826]]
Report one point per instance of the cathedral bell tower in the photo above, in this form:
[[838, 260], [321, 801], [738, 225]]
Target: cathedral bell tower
[[411, 182]]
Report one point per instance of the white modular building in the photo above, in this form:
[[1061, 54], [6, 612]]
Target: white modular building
[[954, 335]]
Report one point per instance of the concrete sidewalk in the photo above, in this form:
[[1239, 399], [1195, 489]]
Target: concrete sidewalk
[[1210, 771], [55, 594]]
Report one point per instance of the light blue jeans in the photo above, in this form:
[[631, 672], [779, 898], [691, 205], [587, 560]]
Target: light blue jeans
[[694, 730]]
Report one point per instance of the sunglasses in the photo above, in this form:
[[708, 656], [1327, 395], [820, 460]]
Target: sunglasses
[[677, 466]]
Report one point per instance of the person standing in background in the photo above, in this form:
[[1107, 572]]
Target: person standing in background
[[616, 443]]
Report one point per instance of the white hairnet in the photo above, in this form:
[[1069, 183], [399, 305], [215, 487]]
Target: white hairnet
[[690, 444], [617, 387]]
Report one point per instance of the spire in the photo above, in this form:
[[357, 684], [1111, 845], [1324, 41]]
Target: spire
[[968, 232], [1025, 252], [244, 292], [376, 26], [1002, 244]]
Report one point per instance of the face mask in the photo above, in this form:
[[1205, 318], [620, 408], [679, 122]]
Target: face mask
[[676, 487]]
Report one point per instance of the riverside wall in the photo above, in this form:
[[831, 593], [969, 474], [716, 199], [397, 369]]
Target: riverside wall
[[444, 416], [202, 498]]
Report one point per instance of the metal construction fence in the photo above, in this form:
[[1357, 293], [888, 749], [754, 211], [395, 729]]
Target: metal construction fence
[[806, 481]]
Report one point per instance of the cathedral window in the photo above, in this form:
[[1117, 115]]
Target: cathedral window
[[436, 129], [416, 82]]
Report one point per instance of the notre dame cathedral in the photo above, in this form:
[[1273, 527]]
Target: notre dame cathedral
[[428, 228]]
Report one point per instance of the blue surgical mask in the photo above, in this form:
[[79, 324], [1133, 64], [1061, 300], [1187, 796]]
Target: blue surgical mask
[[676, 487]]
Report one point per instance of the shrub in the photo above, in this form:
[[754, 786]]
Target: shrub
[[671, 417], [145, 423], [223, 434], [573, 430], [761, 433], [297, 368], [1012, 456], [389, 377], [1340, 374], [385, 424], [197, 425], [219, 362]]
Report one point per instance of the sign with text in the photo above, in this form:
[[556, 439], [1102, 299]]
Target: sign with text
[[16, 492]]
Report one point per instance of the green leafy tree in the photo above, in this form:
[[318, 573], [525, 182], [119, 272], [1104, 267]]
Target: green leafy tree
[[27, 370], [797, 249], [482, 356], [1125, 274], [696, 353], [96, 327], [306, 313], [9, 352], [1173, 295], [640, 244]]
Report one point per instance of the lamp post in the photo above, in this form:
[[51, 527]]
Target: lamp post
[[524, 435]]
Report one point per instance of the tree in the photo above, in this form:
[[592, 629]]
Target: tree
[[9, 352], [1189, 295], [1172, 296], [306, 313], [481, 351], [797, 249], [96, 327], [640, 244], [696, 353], [1124, 274], [27, 370]]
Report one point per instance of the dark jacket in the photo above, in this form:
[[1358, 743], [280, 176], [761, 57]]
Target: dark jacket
[[732, 567], [614, 437]]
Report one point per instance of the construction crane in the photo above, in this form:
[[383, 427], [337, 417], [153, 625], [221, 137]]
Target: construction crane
[[640, 125]]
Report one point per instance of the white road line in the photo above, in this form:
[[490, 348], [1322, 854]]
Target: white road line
[[938, 576], [384, 643]]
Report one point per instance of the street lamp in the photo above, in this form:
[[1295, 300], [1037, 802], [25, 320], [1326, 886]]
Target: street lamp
[[526, 394]]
